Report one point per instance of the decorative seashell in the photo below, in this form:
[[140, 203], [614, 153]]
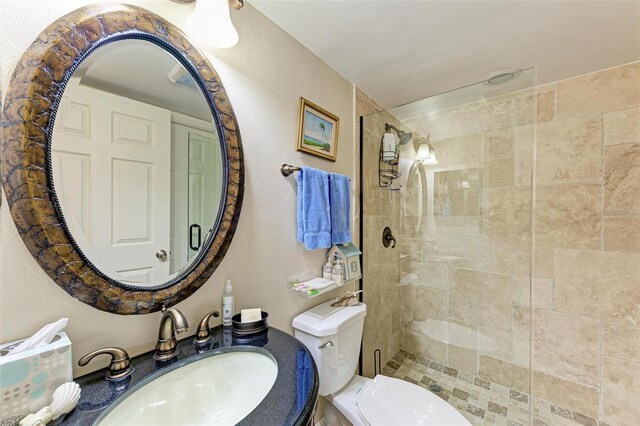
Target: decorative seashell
[[65, 399]]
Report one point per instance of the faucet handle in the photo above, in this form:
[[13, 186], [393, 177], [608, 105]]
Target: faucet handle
[[120, 366], [203, 335]]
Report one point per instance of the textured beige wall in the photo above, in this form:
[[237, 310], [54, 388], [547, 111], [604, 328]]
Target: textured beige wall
[[265, 74]]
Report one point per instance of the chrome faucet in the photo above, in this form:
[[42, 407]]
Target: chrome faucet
[[172, 322]]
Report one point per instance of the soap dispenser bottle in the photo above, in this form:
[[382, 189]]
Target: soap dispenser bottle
[[327, 270], [336, 271], [339, 273], [227, 304], [343, 271]]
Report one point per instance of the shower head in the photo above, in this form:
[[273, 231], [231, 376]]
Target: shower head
[[405, 137]]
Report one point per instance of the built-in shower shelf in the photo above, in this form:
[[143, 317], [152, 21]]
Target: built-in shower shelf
[[293, 281]]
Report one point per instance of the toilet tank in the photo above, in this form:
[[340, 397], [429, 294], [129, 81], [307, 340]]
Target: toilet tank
[[333, 337]]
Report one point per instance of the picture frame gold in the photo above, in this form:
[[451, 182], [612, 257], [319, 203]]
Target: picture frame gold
[[318, 131]]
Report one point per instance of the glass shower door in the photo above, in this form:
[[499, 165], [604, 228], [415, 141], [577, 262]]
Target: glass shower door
[[449, 308]]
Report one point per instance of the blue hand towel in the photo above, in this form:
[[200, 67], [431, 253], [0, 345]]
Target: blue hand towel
[[340, 198], [314, 221]]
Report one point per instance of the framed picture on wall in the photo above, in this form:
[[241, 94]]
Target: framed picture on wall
[[317, 131]]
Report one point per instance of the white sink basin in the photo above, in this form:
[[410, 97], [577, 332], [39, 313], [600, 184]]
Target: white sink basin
[[216, 390]]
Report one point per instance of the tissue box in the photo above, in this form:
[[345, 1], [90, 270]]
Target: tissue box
[[28, 379]]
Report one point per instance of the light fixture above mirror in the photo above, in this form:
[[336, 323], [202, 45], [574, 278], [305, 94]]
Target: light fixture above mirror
[[210, 22]]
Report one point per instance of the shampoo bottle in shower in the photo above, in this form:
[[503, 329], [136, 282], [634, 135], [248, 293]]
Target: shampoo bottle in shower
[[389, 147], [227, 304]]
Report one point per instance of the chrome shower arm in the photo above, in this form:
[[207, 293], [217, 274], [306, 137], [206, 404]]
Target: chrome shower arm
[[388, 126]]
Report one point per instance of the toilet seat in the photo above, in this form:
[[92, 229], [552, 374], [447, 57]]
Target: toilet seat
[[388, 401], [345, 400]]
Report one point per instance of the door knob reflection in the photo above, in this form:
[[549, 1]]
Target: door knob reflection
[[161, 255]]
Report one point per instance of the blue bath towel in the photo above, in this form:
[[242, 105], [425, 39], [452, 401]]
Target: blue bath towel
[[314, 221], [340, 199]]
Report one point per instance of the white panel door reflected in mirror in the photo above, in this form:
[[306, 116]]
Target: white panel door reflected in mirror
[[136, 162]]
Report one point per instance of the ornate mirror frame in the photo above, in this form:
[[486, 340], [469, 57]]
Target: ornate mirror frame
[[30, 107]]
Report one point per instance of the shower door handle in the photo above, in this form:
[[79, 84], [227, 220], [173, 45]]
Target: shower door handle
[[388, 238]]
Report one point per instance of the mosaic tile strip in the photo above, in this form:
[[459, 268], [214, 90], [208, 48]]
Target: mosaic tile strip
[[482, 402]]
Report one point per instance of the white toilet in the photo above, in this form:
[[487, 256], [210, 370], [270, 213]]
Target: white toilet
[[333, 337]]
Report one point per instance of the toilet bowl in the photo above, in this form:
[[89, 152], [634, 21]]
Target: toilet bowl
[[387, 401], [333, 337]]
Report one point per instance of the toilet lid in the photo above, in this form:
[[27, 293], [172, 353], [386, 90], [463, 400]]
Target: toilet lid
[[389, 401]]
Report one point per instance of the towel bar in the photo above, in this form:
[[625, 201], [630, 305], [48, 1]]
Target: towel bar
[[288, 170]]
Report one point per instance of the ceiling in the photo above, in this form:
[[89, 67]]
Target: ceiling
[[140, 70], [402, 51]]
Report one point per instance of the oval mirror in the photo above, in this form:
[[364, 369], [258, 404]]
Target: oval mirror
[[136, 163], [122, 161]]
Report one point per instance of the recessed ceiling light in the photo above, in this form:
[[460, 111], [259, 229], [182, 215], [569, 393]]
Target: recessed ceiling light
[[501, 76]]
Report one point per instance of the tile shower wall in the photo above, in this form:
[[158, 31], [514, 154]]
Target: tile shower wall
[[465, 300], [381, 267], [586, 324]]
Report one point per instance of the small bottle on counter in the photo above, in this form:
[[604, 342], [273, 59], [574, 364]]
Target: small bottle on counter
[[227, 304], [336, 272], [227, 336], [327, 270]]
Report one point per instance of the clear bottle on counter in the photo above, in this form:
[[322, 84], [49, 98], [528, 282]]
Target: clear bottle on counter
[[327, 270], [227, 304], [336, 272]]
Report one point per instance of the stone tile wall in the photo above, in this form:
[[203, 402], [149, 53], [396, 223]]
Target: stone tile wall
[[381, 267], [461, 282], [586, 343]]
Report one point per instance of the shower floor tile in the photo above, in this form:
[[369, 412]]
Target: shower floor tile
[[482, 402]]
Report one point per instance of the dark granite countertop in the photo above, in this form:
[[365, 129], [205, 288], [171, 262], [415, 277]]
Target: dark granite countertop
[[290, 401]]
